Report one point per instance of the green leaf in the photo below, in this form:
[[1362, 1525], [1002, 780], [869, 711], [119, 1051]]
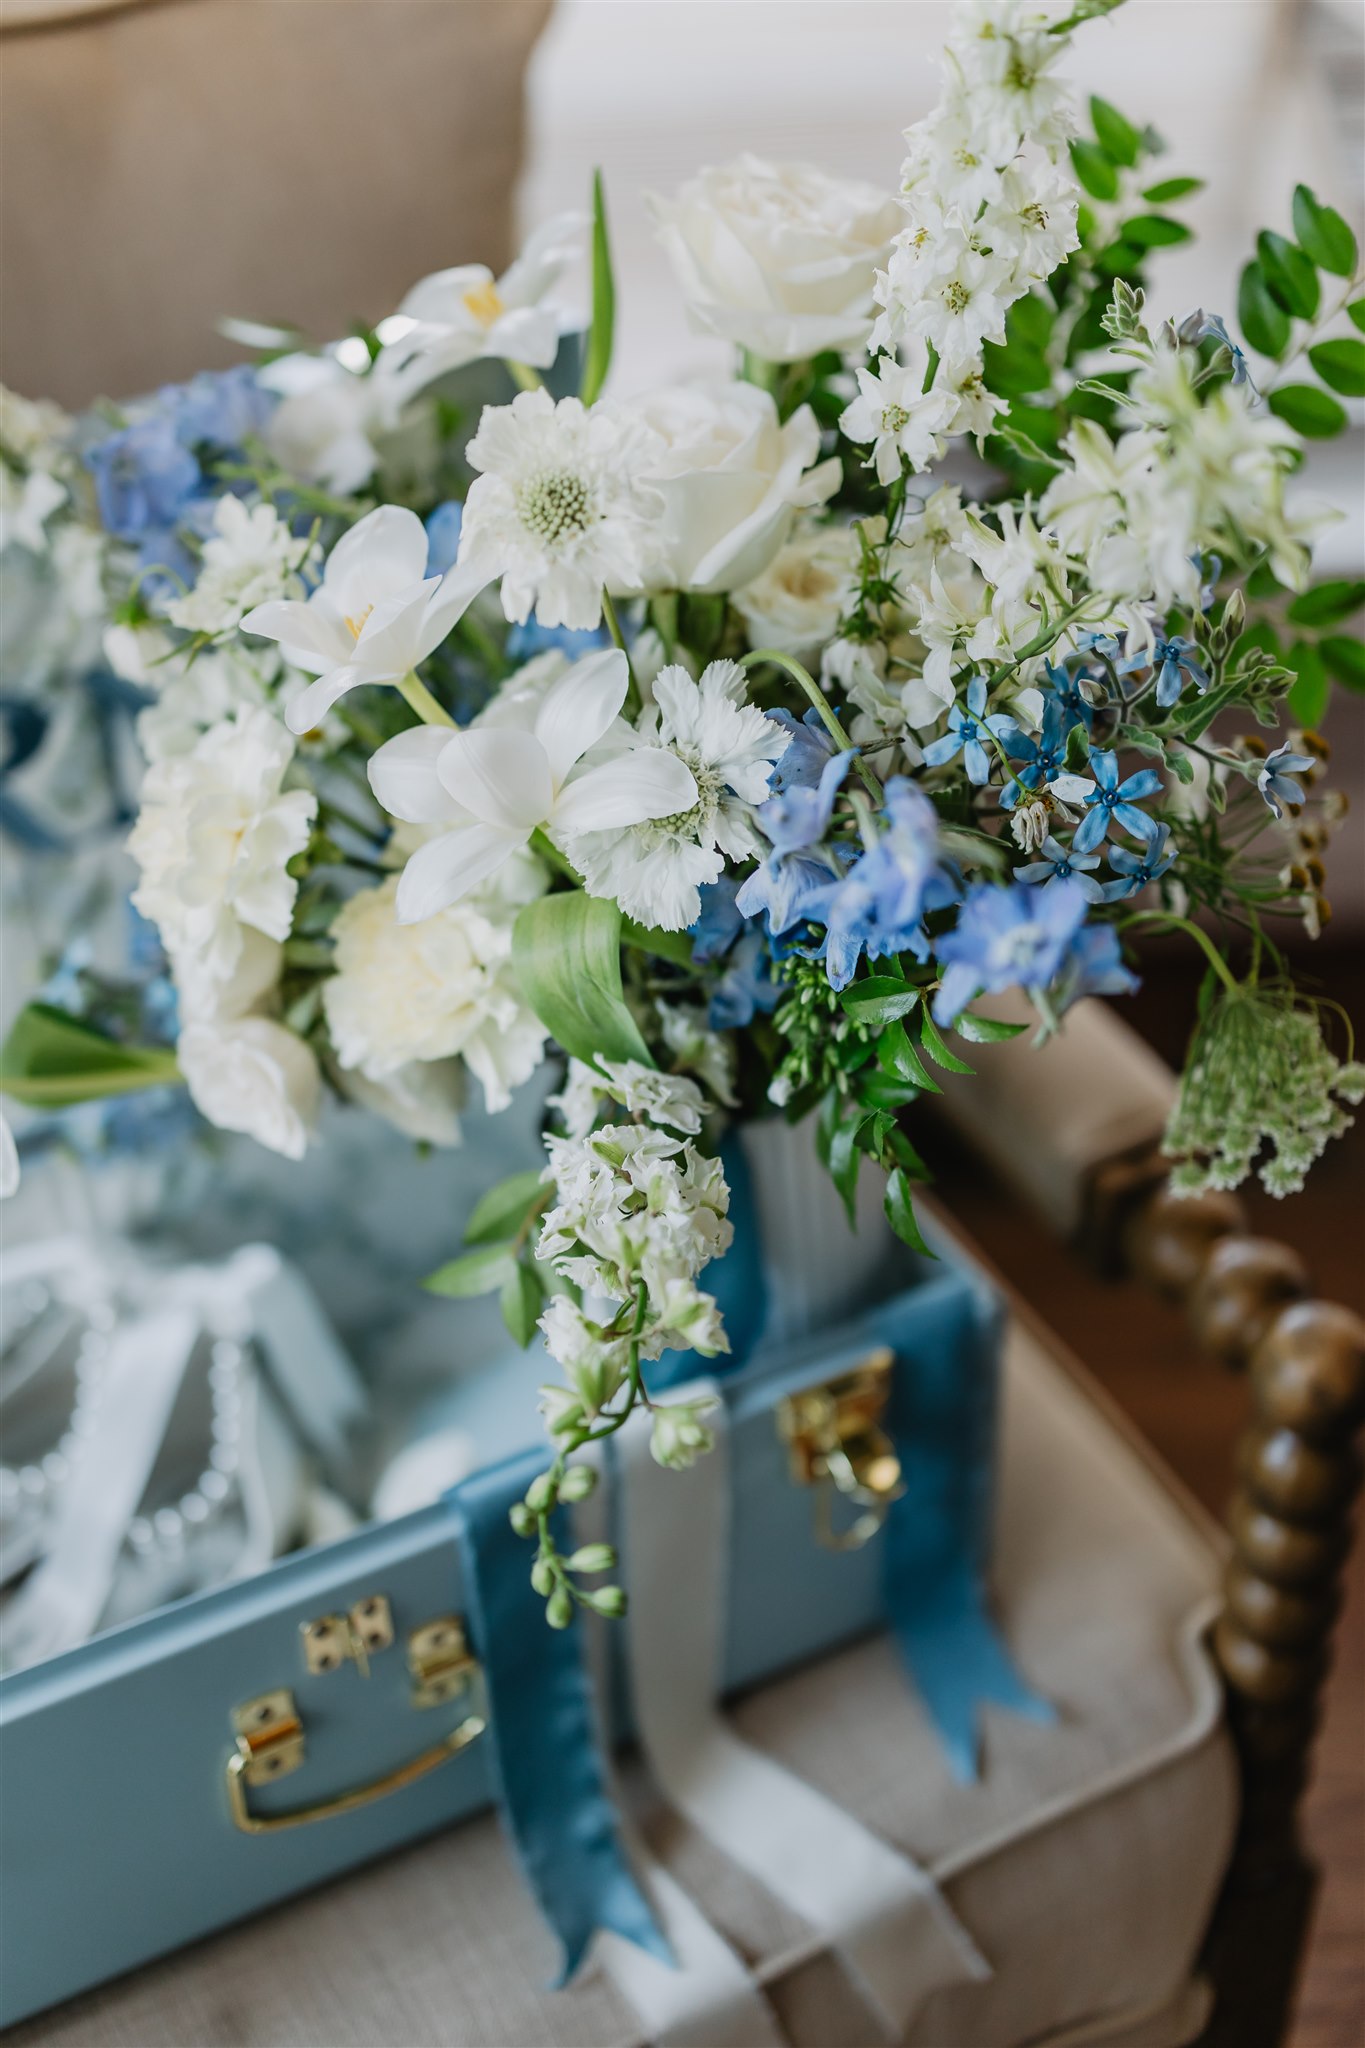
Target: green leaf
[[520, 1301], [1288, 272], [1323, 234], [931, 1039], [1356, 309], [845, 1159], [879, 999], [1117, 136], [1119, 259], [504, 1209], [1326, 603], [1030, 321], [51, 1060], [597, 355], [1095, 172], [1341, 364], [566, 949], [1172, 188], [900, 1211], [646, 938], [1307, 699], [897, 1056], [1155, 231], [479, 1272], [1308, 411], [1262, 318], [1010, 372], [880, 1091], [1345, 660], [1077, 755], [986, 1030], [1083, 11]]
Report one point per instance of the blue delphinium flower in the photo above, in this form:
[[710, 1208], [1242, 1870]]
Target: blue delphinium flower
[[1043, 757], [1067, 692], [1111, 801], [878, 907], [1136, 870], [782, 889], [1275, 779], [799, 818], [1093, 967], [719, 922], [1173, 660], [526, 641], [1013, 937], [1060, 864], [806, 755], [964, 734], [747, 986], [443, 536]]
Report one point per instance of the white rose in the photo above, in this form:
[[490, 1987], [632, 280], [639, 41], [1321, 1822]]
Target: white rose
[[798, 601], [415, 992], [778, 257], [249, 1074], [328, 420], [730, 476]]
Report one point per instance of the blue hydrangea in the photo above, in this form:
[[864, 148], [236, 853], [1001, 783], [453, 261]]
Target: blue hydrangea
[[1014, 937], [443, 536]]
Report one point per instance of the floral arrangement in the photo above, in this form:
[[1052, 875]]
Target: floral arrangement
[[732, 742]]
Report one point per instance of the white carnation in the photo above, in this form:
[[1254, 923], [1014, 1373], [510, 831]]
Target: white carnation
[[250, 1074]]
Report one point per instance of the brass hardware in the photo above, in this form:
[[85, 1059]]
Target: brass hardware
[[833, 1435], [269, 1737], [332, 1639], [440, 1661]]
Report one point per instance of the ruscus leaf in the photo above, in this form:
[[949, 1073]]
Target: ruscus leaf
[[879, 999], [1308, 694], [900, 1212], [1155, 231], [1341, 364], [1262, 319], [597, 355], [931, 1039], [1116, 135], [1308, 411], [1323, 234], [51, 1060], [1095, 172], [1172, 188], [520, 1301], [1289, 274], [1345, 659], [1326, 603]]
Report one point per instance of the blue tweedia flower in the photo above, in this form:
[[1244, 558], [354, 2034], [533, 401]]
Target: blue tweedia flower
[[1043, 757], [1013, 937], [1067, 692], [1275, 779], [1111, 801], [1173, 660], [1060, 864], [1138, 869], [1201, 326], [879, 905], [964, 734], [747, 986], [1210, 567], [443, 536], [1093, 967]]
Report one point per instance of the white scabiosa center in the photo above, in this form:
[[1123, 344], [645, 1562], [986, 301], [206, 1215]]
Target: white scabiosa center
[[556, 505]]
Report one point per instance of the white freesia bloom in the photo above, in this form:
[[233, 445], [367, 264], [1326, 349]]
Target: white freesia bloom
[[561, 509], [654, 870], [492, 785], [375, 615], [731, 477], [463, 315], [250, 1074], [406, 993], [213, 839], [329, 419], [798, 601], [778, 257], [904, 422], [250, 557]]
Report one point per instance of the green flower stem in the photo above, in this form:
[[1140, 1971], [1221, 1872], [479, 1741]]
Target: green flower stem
[[542, 844], [524, 376], [1201, 938], [635, 1393], [822, 705], [423, 703], [618, 638]]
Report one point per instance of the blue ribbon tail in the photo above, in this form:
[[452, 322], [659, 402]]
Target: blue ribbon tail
[[546, 1766], [942, 1419]]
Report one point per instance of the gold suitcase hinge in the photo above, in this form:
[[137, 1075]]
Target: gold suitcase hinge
[[836, 1444]]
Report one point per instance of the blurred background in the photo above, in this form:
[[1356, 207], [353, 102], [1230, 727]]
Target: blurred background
[[167, 163]]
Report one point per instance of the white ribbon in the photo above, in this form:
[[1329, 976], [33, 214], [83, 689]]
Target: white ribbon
[[883, 1914]]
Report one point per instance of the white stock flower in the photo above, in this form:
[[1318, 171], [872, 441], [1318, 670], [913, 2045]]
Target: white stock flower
[[249, 558], [464, 315], [250, 1074], [730, 475], [189, 694], [1002, 54], [904, 422], [1032, 220], [375, 615], [213, 839], [561, 509], [798, 601], [654, 870], [325, 428], [954, 298], [633, 1204], [778, 257], [662, 1098], [492, 785], [404, 993], [27, 502]]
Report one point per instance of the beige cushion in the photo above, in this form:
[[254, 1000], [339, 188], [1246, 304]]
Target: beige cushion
[[1084, 1863], [303, 160]]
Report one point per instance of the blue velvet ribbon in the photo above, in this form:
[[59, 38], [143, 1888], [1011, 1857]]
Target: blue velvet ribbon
[[547, 1770], [941, 1417]]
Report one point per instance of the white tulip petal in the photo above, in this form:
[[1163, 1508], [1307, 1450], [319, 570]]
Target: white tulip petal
[[447, 604], [580, 707], [649, 782], [382, 554], [310, 637], [387, 646], [445, 869], [499, 775], [403, 777], [311, 706]]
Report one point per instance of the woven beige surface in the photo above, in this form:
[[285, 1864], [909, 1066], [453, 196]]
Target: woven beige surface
[[1084, 1863]]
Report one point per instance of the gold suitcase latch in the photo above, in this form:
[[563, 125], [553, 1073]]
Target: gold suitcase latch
[[836, 1444]]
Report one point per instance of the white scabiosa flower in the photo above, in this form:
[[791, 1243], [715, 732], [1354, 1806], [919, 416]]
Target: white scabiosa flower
[[561, 762], [250, 1074], [465, 315], [904, 422], [654, 870], [250, 557], [560, 509], [798, 601]]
